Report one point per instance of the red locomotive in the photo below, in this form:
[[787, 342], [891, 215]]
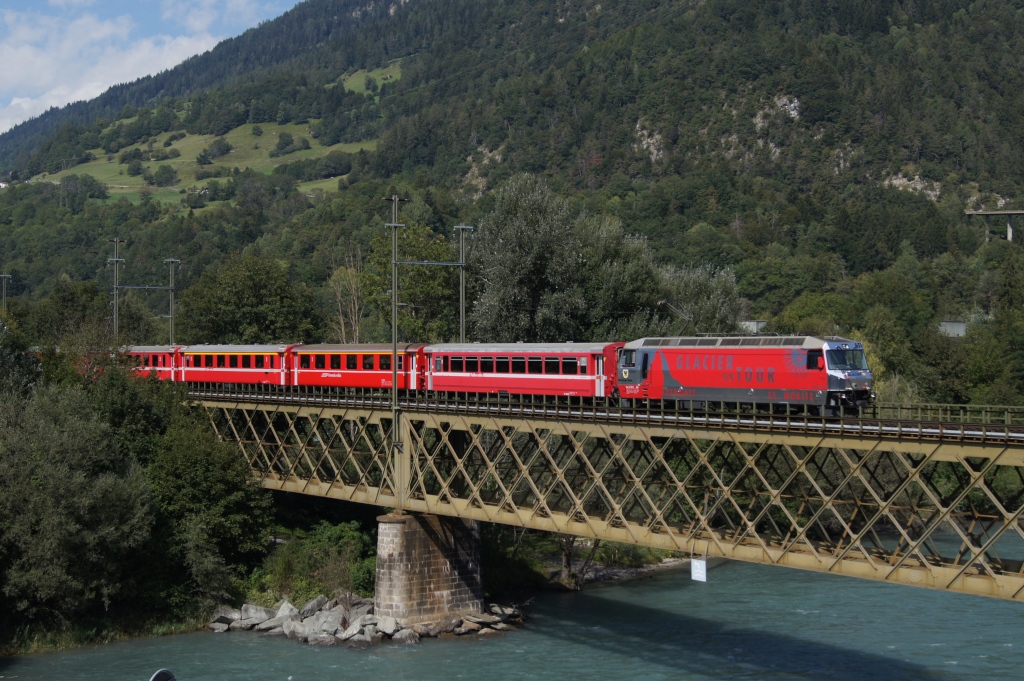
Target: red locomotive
[[795, 370], [689, 373]]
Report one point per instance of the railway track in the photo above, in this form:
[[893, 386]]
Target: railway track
[[947, 423]]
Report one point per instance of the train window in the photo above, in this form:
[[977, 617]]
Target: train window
[[456, 364], [583, 365], [368, 362], [551, 365], [472, 365], [437, 363], [233, 361], [518, 365], [629, 358], [271, 358], [385, 362], [246, 362], [209, 361], [260, 361], [501, 365], [145, 360], [319, 361], [351, 361], [400, 363], [487, 365], [335, 361], [812, 359], [535, 365], [303, 361], [220, 361], [570, 366]]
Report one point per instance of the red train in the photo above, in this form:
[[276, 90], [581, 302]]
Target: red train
[[687, 372]]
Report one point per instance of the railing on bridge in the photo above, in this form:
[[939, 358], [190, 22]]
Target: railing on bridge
[[934, 501]]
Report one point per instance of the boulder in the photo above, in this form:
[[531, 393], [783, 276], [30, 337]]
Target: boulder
[[243, 625], [406, 636], [502, 611], [445, 626], [219, 627], [365, 620], [467, 628], [501, 626], [313, 607], [331, 604], [482, 618], [359, 608], [273, 623], [488, 632], [351, 632], [225, 614], [287, 610], [295, 630], [388, 625], [277, 631], [327, 622], [322, 640], [422, 630], [370, 631], [255, 612]]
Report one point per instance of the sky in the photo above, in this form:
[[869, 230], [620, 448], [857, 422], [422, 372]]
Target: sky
[[53, 52]]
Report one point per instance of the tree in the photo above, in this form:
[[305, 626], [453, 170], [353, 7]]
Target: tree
[[73, 512], [164, 176], [350, 305], [248, 299], [210, 510], [427, 298]]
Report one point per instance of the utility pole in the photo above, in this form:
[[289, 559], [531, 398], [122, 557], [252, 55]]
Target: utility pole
[[394, 225], [171, 263], [117, 263], [462, 280], [4, 278]]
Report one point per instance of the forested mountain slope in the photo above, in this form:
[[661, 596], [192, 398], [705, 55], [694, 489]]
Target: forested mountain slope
[[823, 152]]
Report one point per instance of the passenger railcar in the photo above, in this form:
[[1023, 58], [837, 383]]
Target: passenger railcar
[[793, 370], [563, 369], [235, 364], [157, 359], [365, 366]]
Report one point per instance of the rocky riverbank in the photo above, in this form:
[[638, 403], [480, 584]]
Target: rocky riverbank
[[323, 622]]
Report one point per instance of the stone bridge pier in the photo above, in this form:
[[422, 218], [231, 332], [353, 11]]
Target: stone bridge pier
[[428, 568]]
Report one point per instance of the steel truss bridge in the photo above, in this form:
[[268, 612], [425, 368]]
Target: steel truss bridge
[[926, 496]]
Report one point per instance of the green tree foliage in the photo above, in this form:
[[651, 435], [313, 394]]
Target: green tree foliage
[[551, 273], [73, 509], [428, 295], [211, 512], [248, 299]]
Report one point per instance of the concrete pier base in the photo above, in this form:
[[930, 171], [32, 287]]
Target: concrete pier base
[[428, 568]]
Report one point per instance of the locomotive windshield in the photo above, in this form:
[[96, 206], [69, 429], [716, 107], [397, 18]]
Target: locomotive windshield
[[847, 360]]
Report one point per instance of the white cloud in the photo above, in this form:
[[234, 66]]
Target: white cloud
[[51, 61]]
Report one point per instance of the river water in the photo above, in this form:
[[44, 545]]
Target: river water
[[746, 622]]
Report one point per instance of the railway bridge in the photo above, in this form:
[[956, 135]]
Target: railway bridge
[[928, 496]]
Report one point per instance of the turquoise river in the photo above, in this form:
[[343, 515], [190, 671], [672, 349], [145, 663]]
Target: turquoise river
[[747, 622]]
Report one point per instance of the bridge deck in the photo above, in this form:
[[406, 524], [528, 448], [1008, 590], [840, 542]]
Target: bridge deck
[[929, 503]]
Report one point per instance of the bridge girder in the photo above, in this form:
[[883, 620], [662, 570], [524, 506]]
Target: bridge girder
[[943, 515]]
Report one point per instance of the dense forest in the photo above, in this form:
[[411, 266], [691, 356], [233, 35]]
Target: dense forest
[[630, 168]]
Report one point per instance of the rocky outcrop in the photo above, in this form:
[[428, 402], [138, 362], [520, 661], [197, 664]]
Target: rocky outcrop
[[323, 622]]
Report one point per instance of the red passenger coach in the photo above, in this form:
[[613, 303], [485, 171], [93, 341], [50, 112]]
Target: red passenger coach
[[571, 369], [356, 366], [242, 364], [157, 359]]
